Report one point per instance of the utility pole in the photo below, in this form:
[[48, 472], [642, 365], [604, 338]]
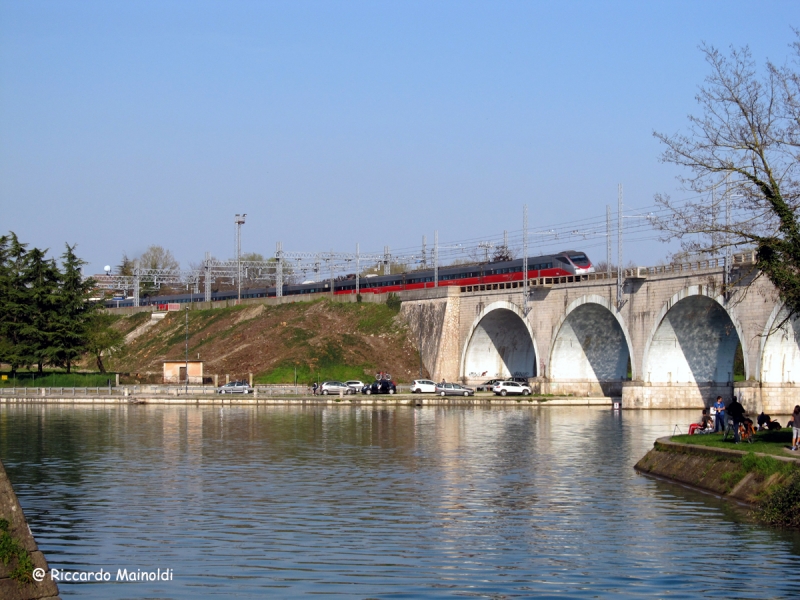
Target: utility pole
[[424, 253], [727, 268], [608, 239], [619, 248], [186, 390], [525, 260], [239, 221], [207, 277], [358, 269], [436, 258], [136, 282], [278, 269]]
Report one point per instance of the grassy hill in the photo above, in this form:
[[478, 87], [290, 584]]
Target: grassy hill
[[320, 339]]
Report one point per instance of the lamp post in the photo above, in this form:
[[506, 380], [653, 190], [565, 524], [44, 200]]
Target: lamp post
[[239, 221], [186, 389]]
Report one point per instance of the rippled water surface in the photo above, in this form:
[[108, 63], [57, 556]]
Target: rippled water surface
[[379, 503]]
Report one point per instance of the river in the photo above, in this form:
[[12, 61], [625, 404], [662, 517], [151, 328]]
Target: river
[[354, 502]]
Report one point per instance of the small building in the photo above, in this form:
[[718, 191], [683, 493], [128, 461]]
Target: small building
[[175, 371]]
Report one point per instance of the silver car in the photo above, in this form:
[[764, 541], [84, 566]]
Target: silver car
[[334, 387], [453, 389], [235, 387]]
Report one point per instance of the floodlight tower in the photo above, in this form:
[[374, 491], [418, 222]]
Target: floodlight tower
[[239, 221]]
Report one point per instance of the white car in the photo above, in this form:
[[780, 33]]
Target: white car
[[354, 384], [423, 386], [511, 387]]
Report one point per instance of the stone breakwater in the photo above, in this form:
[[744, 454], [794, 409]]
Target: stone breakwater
[[10, 588], [715, 470]]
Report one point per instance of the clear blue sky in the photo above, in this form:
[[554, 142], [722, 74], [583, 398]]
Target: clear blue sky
[[125, 124]]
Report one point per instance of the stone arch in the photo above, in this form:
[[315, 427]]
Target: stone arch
[[693, 340], [500, 343], [591, 343], [780, 349]]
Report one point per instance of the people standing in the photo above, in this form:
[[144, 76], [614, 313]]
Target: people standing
[[719, 418], [314, 388], [796, 428], [736, 412]]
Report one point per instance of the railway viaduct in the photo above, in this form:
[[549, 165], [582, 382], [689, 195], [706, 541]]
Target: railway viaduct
[[670, 344]]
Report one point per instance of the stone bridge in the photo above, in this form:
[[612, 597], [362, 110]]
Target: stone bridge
[[671, 344]]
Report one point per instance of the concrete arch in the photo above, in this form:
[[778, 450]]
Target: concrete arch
[[780, 349], [500, 343], [693, 340], [591, 343]]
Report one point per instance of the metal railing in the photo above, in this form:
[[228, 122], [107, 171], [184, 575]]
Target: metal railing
[[134, 391]]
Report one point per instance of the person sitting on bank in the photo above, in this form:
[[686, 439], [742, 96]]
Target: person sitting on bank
[[763, 421], [705, 424]]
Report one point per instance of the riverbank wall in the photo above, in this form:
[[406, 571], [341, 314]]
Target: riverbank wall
[[263, 400], [20, 533], [715, 470]]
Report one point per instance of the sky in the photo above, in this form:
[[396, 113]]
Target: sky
[[331, 123]]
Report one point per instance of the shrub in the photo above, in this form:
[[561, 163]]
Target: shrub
[[393, 302], [781, 506]]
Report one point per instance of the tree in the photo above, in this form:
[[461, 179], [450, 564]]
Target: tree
[[71, 322], [102, 337], [125, 267], [42, 277], [14, 299], [157, 257], [743, 158]]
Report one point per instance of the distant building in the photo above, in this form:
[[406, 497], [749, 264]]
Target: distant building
[[175, 371]]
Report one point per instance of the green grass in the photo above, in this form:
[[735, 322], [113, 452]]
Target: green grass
[[285, 373], [13, 552], [766, 442], [56, 379]]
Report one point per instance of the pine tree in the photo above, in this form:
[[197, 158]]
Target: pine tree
[[43, 280], [14, 303], [70, 332]]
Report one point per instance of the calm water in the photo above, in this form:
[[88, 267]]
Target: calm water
[[379, 503]]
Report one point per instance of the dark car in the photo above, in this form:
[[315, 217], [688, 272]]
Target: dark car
[[487, 386], [384, 386]]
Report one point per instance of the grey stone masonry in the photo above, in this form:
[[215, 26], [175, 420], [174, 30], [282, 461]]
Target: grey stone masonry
[[671, 343]]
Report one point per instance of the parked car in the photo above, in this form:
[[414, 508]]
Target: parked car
[[423, 386], [522, 380], [487, 386], [511, 387], [355, 385], [453, 389], [384, 386], [334, 387], [235, 387]]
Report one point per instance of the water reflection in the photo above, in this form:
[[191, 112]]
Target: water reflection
[[369, 502]]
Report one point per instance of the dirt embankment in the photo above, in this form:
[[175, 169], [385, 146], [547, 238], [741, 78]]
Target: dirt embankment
[[322, 339]]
